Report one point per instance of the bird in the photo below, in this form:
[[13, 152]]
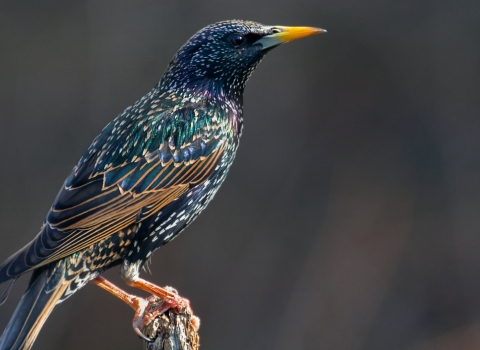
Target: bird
[[144, 179]]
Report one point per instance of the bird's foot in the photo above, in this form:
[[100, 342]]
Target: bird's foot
[[147, 309], [140, 305], [158, 305], [152, 307], [168, 294], [172, 300]]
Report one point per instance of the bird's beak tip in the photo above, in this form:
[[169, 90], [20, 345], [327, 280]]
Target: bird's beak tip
[[294, 33]]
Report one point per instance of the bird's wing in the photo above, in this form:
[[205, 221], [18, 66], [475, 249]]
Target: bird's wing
[[107, 193]]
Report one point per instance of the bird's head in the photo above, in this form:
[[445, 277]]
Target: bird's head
[[222, 56]]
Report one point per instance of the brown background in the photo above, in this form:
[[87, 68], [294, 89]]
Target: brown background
[[350, 219]]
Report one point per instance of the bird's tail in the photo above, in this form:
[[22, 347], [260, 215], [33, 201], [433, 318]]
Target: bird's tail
[[33, 310]]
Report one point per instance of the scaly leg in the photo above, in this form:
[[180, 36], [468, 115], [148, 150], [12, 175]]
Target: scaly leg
[[141, 306], [169, 295]]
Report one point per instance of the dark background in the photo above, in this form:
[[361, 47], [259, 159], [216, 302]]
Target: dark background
[[351, 216]]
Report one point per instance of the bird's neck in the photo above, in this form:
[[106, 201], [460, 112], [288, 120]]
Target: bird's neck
[[206, 92], [205, 89], [184, 78]]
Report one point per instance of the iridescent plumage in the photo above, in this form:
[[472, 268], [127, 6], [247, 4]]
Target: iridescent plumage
[[145, 178]]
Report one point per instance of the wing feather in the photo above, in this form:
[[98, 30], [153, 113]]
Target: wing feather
[[86, 214], [129, 173]]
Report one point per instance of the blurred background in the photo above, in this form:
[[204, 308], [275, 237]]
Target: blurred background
[[351, 216]]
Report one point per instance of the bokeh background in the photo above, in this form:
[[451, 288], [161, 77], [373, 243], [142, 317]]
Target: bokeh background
[[351, 216]]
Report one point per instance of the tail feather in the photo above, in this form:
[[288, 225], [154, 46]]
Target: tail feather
[[18, 263], [5, 294], [33, 310]]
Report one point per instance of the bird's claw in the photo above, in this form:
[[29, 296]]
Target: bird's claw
[[147, 309], [175, 301], [141, 305]]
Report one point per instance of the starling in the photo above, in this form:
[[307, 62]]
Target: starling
[[144, 179]]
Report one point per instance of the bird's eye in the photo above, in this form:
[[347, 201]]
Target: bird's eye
[[237, 40]]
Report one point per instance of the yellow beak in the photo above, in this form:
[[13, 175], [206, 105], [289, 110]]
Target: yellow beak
[[283, 35]]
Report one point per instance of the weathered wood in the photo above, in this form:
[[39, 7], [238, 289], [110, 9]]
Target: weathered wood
[[173, 330]]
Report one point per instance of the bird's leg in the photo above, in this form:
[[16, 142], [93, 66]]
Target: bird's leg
[[171, 300], [168, 294], [144, 313]]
